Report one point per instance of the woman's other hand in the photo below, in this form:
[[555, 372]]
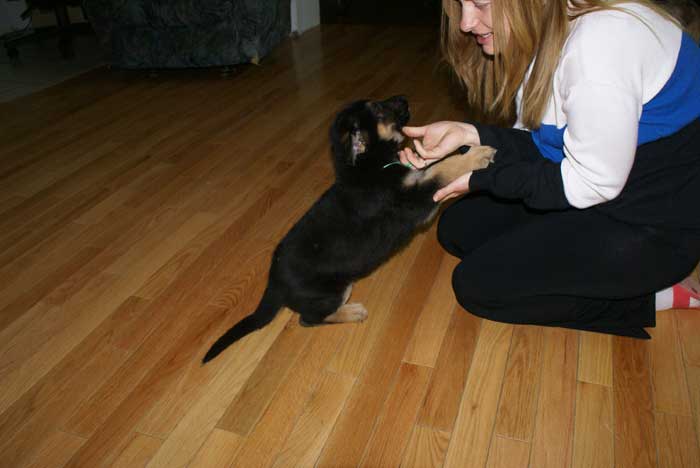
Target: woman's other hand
[[456, 188]]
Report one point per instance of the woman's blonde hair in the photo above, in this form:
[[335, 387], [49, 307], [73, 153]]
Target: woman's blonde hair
[[525, 32]]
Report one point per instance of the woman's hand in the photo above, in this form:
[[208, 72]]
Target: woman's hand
[[457, 187], [437, 140]]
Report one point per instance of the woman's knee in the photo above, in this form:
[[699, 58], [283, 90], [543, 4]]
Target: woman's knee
[[475, 290], [448, 232]]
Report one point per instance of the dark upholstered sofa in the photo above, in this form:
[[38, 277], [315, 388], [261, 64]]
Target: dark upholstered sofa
[[187, 33]]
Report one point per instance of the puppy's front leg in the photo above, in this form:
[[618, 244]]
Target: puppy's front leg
[[450, 168]]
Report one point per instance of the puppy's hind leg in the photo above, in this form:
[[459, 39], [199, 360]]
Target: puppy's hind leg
[[347, 312], [346, 294], [354, 312], [318, 313]]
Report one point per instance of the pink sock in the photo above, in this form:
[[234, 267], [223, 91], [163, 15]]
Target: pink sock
[[676, 297]]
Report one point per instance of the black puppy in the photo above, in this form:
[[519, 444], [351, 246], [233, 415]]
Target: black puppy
[[372, 210]]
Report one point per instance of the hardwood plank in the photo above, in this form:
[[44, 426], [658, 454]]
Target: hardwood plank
[[200, 252], [431, 328], [46, 321], [95, 291], [635, 444], [311, 430], [352, 431], [508, 453], [15, 314], [10, 201], [668, 377], [694, 386], [22, 240], [677, 441], [218, 450], [31, 420], [552, 443], [122, 189], [56, 450], [471, 436], [262, 446], [83, 123], [165, 413], [138, 451], [392, 430], [595, 359], [183, 294], [256, 395], [36, 113], [115, 235], [111, 437], [262, 239], [83, 312], [41, 261], [195, 427], [444, 394], [56, 174], [32, 209], [427, 448], [593, 437], [25, 308], [689, 330], [146, 348], [516, 411], [377, 293]]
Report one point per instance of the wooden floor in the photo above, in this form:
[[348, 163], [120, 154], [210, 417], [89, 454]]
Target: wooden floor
[[137, 219]]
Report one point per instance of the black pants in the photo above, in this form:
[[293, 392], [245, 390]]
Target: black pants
[[583, 269]]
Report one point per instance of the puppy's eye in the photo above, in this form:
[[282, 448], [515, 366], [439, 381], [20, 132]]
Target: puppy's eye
[[377, 110]]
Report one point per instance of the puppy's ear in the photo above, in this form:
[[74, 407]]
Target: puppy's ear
[[355, 143], [358, 146]]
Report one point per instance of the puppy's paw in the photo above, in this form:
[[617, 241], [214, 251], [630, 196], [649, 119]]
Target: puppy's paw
[[354, 312], [482, 156]]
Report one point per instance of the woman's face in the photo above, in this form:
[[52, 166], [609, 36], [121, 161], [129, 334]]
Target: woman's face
[[476, 19]]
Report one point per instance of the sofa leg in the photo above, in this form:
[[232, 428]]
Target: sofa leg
[[153, 73], [227, 70]]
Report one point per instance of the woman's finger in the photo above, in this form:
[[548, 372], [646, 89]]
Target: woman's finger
[[405, 158], [440, 195], [420, 149], [456, 188], [415, 159], [414, 132], [436, 152]]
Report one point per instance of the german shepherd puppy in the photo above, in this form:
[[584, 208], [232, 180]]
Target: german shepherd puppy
[[372, 210]]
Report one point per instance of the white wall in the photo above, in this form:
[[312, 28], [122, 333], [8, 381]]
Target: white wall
[[9, 16], [306, 14]]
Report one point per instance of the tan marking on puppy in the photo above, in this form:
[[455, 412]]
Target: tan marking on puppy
[[346, 294], [431, 217], [388, 132], [447, 170], [348, 313]]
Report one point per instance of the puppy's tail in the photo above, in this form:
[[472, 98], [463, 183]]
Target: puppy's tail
[[267, 310]]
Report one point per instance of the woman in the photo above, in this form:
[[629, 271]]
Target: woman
[[590, 207]]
